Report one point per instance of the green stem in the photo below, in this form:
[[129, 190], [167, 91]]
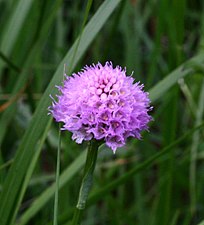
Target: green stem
[[55, 222], [86, 181]]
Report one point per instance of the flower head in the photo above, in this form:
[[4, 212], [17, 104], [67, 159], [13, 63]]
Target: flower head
[[101, 102]]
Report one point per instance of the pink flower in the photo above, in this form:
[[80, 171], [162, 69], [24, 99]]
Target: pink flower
[[101, 102]]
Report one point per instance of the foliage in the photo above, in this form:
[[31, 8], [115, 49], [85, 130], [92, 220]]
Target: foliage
[[155, 181]]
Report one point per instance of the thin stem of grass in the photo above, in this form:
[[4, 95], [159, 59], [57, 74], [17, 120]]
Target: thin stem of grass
[[9, 63], [88, 6], [57, 180], [8, 163], [188, 95], [194, 148]]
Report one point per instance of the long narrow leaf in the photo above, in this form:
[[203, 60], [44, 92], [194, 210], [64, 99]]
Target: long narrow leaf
[[24, 75], [49, 193], [186, 68], [99, 194], [13, 27]]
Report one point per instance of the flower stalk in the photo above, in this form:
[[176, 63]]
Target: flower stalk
[[87, 180]]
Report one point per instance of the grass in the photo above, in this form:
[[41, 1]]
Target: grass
[[156, 181]]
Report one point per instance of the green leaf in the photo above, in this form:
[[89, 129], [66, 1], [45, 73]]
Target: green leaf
[[201, 223], [183, 70], [13, 28], [101, 192], [67, 175], [24, 75]]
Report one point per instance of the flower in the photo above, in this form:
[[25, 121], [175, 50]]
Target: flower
[[101, 102]]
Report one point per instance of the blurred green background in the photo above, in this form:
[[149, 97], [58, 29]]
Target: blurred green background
[[156, 181]]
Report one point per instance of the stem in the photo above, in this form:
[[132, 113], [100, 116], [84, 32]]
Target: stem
[[86, 183], [55, 222]]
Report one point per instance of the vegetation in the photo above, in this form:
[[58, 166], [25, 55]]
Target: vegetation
[[156, 181]]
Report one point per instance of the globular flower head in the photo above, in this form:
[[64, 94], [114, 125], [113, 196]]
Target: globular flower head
[[101, 102]]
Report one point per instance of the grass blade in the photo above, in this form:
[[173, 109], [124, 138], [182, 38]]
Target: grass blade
[[13, 28], [66, 175], [183, 70], [57, 179], [121, 180], [194, 147]]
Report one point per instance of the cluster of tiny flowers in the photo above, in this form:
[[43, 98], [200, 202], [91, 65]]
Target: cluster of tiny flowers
[[101, 102]]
